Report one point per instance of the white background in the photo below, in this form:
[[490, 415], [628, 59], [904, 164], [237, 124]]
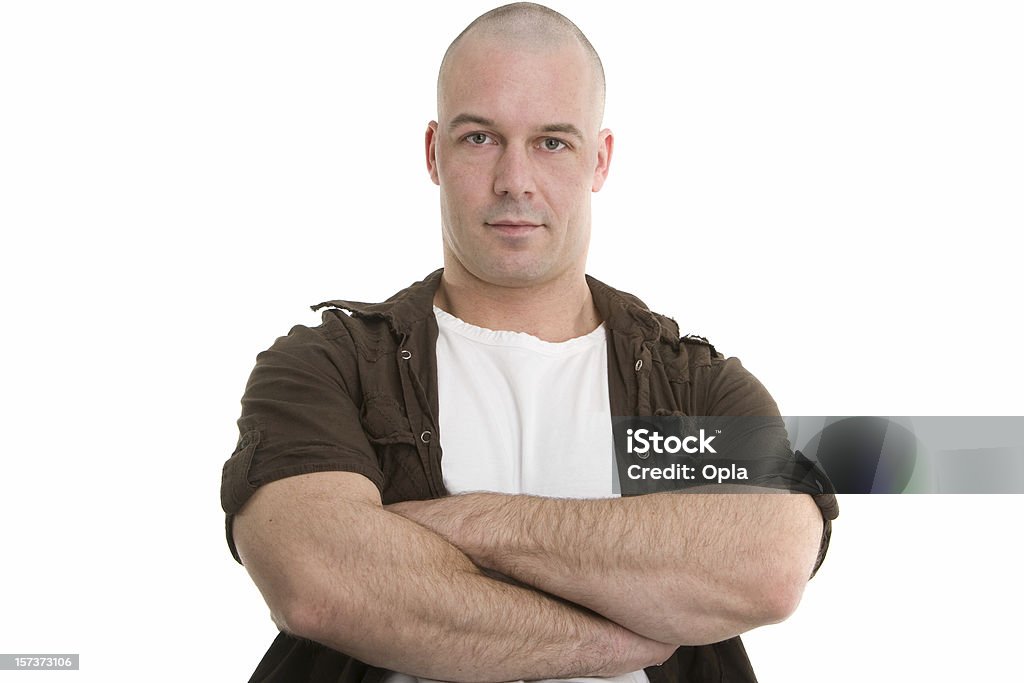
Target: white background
[[831, 192]]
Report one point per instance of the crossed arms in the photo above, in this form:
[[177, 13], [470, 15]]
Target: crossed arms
[[595, 587]]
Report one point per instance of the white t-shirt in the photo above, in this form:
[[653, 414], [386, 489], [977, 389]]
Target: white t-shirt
[[522, 415]]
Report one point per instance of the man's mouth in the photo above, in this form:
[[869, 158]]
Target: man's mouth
[[513, 227]]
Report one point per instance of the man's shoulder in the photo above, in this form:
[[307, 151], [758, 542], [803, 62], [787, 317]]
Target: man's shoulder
[[351, 333], [338, 331], [687, 357], [371, 328], [628, 313], [716, 384], [700, 351], [401, 311]]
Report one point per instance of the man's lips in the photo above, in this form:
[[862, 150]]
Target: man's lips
[[513, 227]]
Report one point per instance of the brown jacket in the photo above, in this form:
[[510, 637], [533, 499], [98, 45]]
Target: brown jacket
[[359, 394]]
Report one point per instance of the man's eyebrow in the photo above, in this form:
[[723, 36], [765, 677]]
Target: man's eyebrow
[[563, 128], [469, 118], [482, 121]]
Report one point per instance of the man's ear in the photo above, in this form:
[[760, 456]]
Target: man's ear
[[431, 149], [605, 144]]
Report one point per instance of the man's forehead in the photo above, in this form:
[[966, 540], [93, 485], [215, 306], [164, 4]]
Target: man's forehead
[[488, 78]]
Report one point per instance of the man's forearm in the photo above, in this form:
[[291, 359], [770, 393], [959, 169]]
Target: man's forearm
[[374, 585], [681, 568]]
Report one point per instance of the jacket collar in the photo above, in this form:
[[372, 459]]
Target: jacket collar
[[620, 311]]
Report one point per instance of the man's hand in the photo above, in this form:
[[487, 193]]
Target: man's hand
[[681, 568]]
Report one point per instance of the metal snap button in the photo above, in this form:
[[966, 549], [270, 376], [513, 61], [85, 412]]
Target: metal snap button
[[425, 436], [639, 364], [406, 354]]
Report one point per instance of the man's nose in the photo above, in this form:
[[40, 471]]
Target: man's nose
[[514, 172]]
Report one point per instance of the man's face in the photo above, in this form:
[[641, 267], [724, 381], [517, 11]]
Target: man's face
[[516, 154]]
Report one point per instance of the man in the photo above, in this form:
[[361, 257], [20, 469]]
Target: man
[[510, 362]]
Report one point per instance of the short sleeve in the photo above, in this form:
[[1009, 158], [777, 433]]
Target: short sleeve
[[733, 390], [298, 417]]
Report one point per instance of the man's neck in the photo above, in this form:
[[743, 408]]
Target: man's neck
[[553, 311]]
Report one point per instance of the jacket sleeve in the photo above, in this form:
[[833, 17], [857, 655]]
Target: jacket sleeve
[[298, 416], [734, 391]]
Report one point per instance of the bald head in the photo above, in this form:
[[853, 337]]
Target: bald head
[[525, 26]]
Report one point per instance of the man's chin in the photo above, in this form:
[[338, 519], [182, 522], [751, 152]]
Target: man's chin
[[519, 276], [511, 269]]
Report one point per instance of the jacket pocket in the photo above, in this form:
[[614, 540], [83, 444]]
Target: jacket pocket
[[390, 434], [384, 422]]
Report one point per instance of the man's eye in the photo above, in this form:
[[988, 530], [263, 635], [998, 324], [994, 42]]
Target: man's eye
[[553, 144], [478, 138]]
